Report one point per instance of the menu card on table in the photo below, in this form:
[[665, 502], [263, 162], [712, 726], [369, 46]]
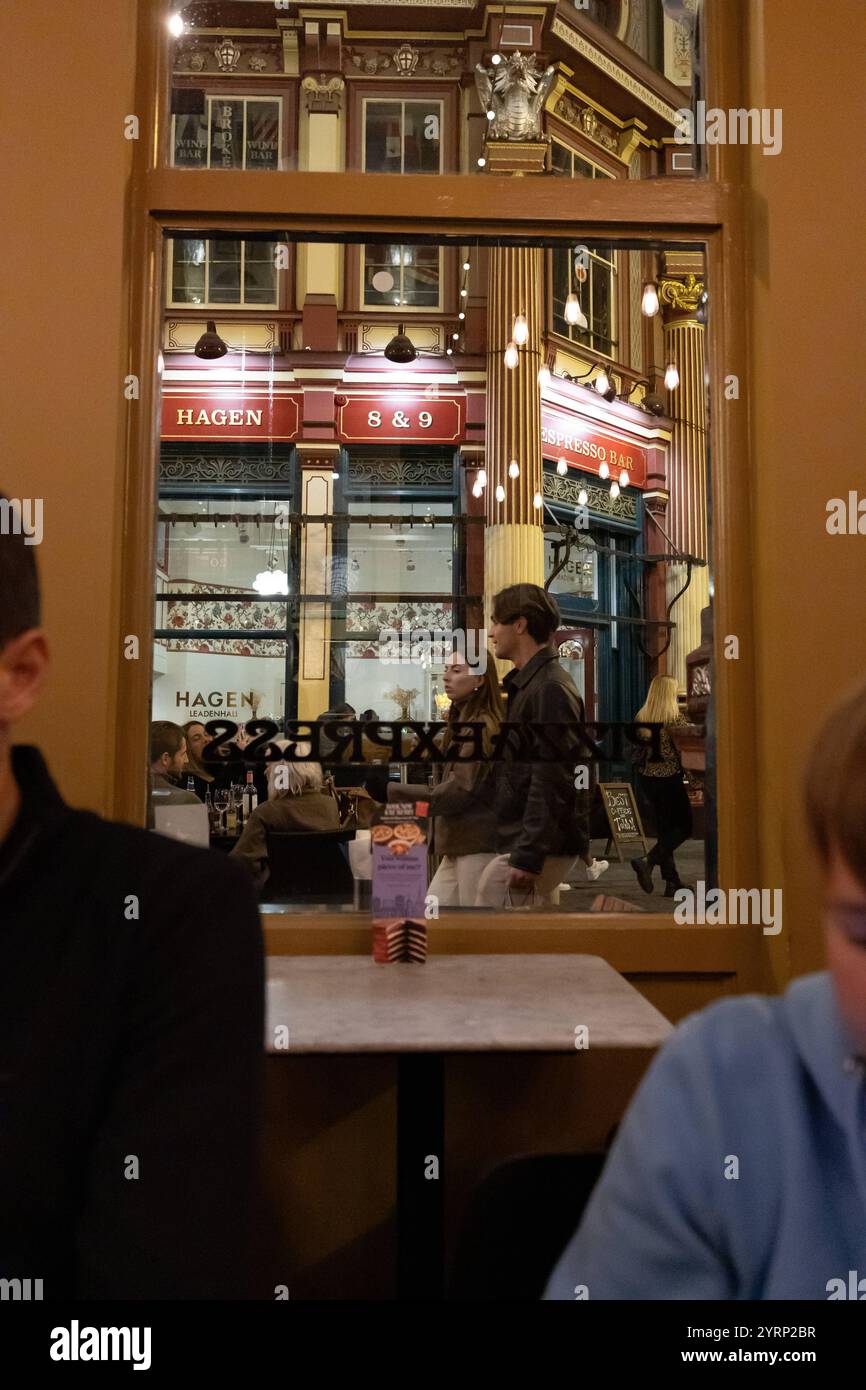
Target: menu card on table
[[400, 883]]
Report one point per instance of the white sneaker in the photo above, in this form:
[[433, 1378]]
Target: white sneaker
[[597, 868]]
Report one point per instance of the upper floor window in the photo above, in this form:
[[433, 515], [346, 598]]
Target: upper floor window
[[215, 272], [569, 164], [596, 294], [228, 132], [403, 137], [402, 275]]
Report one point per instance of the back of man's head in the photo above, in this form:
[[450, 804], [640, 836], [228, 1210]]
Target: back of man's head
[[165, 737], [531, 602], [20, 608]]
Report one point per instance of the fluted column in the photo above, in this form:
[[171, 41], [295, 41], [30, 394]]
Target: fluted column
[[513, 540], [680, 290]]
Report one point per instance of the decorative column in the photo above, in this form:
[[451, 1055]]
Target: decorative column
[[514, 539], [680, 289], [314, 622]]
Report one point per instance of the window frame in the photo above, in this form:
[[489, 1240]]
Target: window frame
[[400, 309], [246, 97], [404, 101], [218, 306]]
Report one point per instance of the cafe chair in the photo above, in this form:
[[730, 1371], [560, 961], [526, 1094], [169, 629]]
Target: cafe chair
[[308, 866], [520, 1220]]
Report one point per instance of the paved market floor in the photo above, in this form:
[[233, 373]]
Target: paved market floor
[[619, 880]]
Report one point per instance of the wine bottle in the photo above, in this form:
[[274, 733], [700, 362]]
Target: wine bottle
[[251, 796], [232, 816]]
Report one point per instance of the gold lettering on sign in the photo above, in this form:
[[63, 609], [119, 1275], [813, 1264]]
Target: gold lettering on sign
[[220, 416]]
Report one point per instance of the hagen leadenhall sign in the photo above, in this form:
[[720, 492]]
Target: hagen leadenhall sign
[[228, 415]]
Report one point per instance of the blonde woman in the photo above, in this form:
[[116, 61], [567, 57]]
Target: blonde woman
[[663, 786], [297, 800], [462, 801]]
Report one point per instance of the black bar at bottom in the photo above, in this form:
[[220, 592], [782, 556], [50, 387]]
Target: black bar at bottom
[[420, 1176]]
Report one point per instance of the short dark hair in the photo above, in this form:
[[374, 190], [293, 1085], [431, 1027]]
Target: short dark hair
[[531, 602], [165, 737], [836, 784], [20, 607]]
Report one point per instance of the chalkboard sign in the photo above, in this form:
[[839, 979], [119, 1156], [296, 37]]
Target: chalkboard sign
[[622, 814]]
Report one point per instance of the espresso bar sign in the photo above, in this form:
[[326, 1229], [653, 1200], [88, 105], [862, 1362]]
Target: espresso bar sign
[[230, 415], [587, 448]]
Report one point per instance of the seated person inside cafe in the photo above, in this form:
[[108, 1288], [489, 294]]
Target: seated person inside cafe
[[739, 1171], [297, 800], [169, 766]]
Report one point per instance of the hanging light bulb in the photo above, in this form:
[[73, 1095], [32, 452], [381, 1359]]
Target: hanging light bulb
[[538, 501], [491, 115], [544, 377], [481, 162], [650, 303], [461, 315], [582, 497], [603, 470], [464, 293], [511, 358], [466, 265], [573, 312], [514, 469], [614, 490], [449, 352], [455, 336], [477, 490], [562, 466], [176, 25], [602, 382], [520, 331], [500, 493], [623, 478], [482, 477], [496, 59], [672, 377]]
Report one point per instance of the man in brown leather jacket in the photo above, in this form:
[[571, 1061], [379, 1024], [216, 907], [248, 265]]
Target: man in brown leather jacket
[[540, 833]]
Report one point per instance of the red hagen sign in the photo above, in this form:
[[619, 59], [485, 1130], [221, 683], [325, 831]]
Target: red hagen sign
[[582, 446], [392, 418], [230, 415]]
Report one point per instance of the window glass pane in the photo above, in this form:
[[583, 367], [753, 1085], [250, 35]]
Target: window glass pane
[[582, 168], [560, 159], [601, 302], [225, 272], [260, 274], [421, 276], [578, 577], [421, 137], [382, 274], [382, 136], [561, 283], [190, 141], [263, 134], [227, 133], [188, 271]]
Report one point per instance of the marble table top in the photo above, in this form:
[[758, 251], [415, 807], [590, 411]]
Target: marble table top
[[459, 1003]]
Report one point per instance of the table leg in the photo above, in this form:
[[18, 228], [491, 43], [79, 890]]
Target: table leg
[[420, 1176]]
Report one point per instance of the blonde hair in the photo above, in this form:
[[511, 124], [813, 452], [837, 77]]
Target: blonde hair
[[660, 706], [294, 776]]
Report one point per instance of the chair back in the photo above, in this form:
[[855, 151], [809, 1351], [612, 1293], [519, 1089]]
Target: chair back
[[308, 866]]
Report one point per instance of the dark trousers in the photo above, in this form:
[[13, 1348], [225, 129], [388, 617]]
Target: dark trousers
[[673, 815]]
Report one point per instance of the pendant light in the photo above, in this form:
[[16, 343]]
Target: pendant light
[[573, 312], [514, 469], [511, 356], [544, 376], [672, 376], [500, 493], [520, 331], [562, 466], [650, 303]]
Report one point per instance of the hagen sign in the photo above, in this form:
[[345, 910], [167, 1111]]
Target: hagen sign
[[385, 418], [230, 415], [585, 447]]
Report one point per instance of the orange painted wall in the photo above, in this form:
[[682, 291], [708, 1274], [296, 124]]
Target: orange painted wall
[[66, 87], [806, 210]]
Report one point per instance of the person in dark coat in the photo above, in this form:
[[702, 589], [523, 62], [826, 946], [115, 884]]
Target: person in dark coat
[[541, 829], [131, 1031]]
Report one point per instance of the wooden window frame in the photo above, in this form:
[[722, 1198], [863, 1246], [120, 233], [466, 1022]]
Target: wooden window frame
[[393, 89], [707, 212], [239, 91], [221, 307]]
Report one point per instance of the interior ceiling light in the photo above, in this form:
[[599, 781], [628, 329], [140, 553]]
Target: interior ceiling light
[[650, 302], [400, 349], [210, 345]]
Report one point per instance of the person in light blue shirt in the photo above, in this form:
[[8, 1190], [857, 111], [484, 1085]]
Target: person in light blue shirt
[[739, 1171]]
